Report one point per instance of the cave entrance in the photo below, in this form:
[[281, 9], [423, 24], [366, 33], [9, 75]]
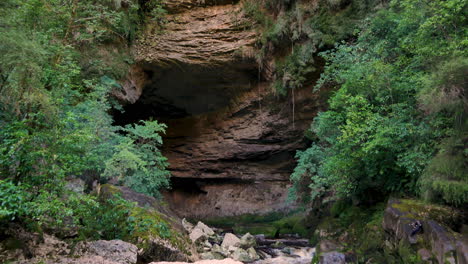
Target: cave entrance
[[180, 96], [180, 91]]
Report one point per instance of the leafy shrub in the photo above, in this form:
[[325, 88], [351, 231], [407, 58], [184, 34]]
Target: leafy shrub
[[374, 139], [12, 198], [445, 178], [303, 28], [137, 161], [55, 82]]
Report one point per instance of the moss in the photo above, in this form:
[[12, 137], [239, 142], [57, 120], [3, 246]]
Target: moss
[[145, 224], [359, 230], [422, 210], [149, 224], [407, 253], [108, 191]]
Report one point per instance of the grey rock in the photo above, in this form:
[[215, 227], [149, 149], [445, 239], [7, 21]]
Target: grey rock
[[157, 249], [230, 240], [252, 253], [197, 235], [327, 246], [446, 246], [216, 249], [462, 251], [241, 255], [113, 250], [187, 225], [206, 229], [208, 244], [332, 258], [207, 255], [232, 249], [247, 241]]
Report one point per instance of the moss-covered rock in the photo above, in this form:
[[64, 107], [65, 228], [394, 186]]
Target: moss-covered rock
[[436, 234], [156, 231]]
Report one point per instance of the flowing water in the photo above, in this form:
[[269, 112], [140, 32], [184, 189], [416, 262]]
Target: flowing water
[[289, 255]]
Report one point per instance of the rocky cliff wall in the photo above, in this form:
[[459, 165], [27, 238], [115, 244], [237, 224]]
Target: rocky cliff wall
[[230, 141]]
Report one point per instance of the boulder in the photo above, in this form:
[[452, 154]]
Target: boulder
[[247, 241], [207, 255], [208, 244], [216, 249], [446, 245], [157, 249], [230, 240], [241, 255], [252, 253], [113, 250], [187, 225], [231, 249], [327, 246], [197, 235], [20, 244], [206, 229], [333, 257]]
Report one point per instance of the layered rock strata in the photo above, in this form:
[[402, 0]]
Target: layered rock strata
[[230, 141]]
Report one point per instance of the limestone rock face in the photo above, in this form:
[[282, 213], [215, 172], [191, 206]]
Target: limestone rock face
[[230, 141], [203, 35], [237, 160]]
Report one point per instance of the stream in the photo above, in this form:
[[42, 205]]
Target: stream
[[288, 250], [296, 255], [214, 244]]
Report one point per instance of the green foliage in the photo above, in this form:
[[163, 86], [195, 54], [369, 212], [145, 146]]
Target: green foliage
[[309, 163], [303, 28], [137, 160], [375, 138], [56, 75], [445, 178], [12, 198], [115, 218], [295, 68]]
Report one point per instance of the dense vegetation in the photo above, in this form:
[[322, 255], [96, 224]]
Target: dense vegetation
[[56, 75], [398, 121]]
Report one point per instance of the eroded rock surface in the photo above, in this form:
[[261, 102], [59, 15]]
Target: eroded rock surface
[[112, 250], [206, 35], [230, 141]]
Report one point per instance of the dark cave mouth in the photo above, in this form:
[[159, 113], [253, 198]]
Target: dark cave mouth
[[181, 91], [195, 186]]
